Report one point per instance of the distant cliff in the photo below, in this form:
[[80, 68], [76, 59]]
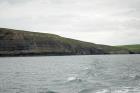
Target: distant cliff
[[20, 43]]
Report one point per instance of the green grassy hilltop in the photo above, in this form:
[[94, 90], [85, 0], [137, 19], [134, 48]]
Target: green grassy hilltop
[[18, 43], [133, 48]]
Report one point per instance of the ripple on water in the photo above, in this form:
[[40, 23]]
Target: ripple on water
[[120, 90], [48, 92]]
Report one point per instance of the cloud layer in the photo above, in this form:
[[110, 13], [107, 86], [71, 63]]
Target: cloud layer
[[111, 22]]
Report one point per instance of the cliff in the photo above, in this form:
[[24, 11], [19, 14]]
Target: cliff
[[19, 43]]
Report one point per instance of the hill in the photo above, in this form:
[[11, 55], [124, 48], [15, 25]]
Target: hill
[[133, 48], [19, 43]]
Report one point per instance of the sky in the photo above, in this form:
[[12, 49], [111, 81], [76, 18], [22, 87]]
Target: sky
[[111, 22]]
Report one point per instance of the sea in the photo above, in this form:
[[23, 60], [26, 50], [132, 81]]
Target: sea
[[70, 74]]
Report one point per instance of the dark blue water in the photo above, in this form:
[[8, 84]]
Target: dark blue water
[[70, 74]]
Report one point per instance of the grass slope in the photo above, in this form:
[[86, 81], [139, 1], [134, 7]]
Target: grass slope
[[133, 48]]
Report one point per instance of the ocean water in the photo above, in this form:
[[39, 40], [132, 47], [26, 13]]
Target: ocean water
[[70, 74]]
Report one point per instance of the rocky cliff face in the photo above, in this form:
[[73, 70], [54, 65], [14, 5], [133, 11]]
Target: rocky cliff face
[[15, 42]]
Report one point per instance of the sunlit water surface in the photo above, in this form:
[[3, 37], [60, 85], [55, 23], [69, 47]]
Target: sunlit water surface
[[70, 74]]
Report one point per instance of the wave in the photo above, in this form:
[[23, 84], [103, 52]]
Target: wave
[[103, 91], [131, 77], [137, 77], [73, 79], [120, 90], [90, 90], [48, 92], [113, 90]]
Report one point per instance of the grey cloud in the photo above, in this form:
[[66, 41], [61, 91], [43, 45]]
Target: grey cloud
[[14, 1], [132, 24], [72, 17]]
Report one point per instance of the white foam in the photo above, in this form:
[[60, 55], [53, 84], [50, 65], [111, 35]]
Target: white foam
[[86, 68], [103, 91], [71, 78], [121, 91]]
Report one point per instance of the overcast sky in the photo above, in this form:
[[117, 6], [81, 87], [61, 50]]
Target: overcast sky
[[112, 22]]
